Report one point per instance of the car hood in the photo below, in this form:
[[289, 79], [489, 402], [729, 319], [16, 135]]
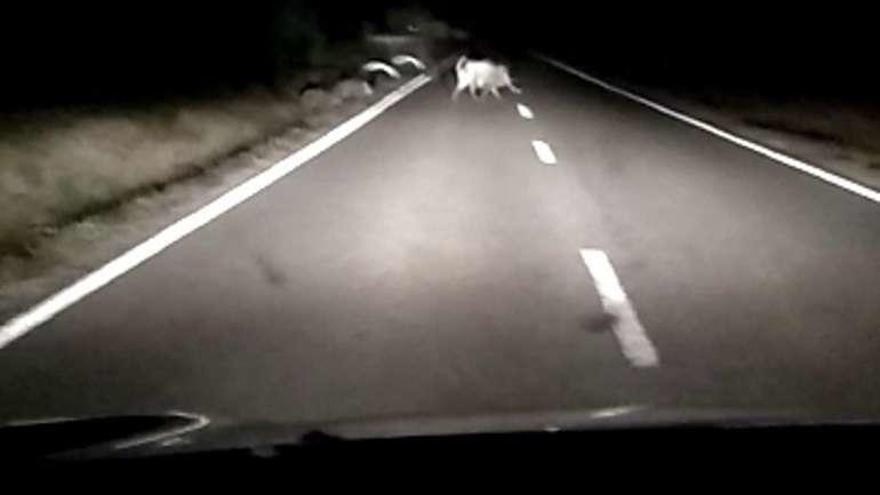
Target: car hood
[[180, 432]]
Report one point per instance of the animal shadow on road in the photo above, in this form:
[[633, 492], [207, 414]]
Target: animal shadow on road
[[600, 323], [273, 274]]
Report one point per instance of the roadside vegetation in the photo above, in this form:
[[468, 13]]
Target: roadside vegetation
[[85, 130]]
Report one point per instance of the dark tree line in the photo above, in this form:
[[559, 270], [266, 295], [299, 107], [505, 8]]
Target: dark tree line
[[95, 52]]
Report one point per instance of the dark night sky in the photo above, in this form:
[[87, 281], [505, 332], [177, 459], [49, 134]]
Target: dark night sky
[[90, 47], [782, 50]]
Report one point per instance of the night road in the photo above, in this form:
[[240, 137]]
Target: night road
[[431, 264]]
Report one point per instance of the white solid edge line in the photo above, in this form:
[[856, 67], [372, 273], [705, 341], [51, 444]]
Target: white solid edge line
[[61, 300], [524, 111], [544, 152], [631, 336], [795, 163]]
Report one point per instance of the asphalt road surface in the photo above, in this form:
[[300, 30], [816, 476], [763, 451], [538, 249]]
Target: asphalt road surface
[[429, 265]]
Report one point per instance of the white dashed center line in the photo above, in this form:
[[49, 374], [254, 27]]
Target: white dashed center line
[[631, 336], [524, 111], [544, 152]]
